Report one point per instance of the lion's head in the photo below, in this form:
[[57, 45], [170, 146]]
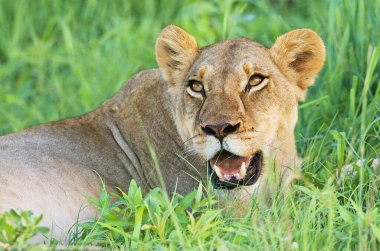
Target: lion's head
[[235, 102]]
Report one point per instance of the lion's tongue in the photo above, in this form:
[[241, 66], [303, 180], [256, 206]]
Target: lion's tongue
[[228, 163]]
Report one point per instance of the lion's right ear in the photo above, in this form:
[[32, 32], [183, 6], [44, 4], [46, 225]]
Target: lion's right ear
[[175, 51]]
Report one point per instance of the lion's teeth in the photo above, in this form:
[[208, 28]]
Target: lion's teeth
[[239, 175], [217, 171], [243, 169]]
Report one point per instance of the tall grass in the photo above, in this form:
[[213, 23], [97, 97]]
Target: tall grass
[[63, 58]]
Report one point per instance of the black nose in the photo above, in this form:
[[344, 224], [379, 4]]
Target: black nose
[[220, 130]]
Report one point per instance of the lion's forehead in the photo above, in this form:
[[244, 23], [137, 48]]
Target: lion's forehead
[[227, 58]]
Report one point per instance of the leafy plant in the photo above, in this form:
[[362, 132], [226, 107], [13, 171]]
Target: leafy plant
[[135, 221], [17, 228]]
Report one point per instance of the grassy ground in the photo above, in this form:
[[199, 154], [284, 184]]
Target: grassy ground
[[62, 58]]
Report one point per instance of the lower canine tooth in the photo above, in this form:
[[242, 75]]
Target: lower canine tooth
[[243, 169], [217, 171]]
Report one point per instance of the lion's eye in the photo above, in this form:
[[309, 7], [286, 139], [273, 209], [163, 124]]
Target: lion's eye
[[196, 86], [256, 79]]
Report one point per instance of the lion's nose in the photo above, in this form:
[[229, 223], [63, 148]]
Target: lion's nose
[[220, 130]]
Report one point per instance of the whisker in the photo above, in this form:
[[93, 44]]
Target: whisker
[[188, 150], [187, 140], [186, 154]]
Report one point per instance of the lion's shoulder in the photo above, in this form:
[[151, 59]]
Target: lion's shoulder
[[138, 87]]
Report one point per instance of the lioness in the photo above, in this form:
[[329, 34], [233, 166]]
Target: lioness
[[225, 108]]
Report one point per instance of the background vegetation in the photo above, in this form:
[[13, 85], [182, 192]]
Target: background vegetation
[[60, 59]]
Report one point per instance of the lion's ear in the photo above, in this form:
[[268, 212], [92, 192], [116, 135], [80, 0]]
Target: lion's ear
[[300, 55], [175, 51]]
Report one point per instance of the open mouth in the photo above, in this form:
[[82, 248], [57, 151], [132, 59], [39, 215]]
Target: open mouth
[[228, 171]]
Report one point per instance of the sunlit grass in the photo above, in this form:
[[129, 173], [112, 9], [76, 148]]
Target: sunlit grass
[[63, 58]]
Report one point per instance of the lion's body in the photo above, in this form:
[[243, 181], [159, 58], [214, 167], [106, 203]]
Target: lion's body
[[48, 168]]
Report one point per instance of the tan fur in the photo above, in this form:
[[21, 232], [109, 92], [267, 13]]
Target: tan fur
[[48, 168]]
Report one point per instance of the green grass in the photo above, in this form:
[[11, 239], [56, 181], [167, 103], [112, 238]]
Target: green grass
[[60, 59]]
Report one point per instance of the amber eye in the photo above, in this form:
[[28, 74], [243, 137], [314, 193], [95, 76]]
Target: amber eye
[[255, 80], [196, 86]]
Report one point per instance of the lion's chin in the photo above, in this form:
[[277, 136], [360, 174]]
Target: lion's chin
[[228, 171]]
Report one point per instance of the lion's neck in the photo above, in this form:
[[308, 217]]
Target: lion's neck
[[142, 121]]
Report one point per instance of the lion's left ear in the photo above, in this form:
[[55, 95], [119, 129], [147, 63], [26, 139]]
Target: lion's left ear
[[300, 55], [175, 51]]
